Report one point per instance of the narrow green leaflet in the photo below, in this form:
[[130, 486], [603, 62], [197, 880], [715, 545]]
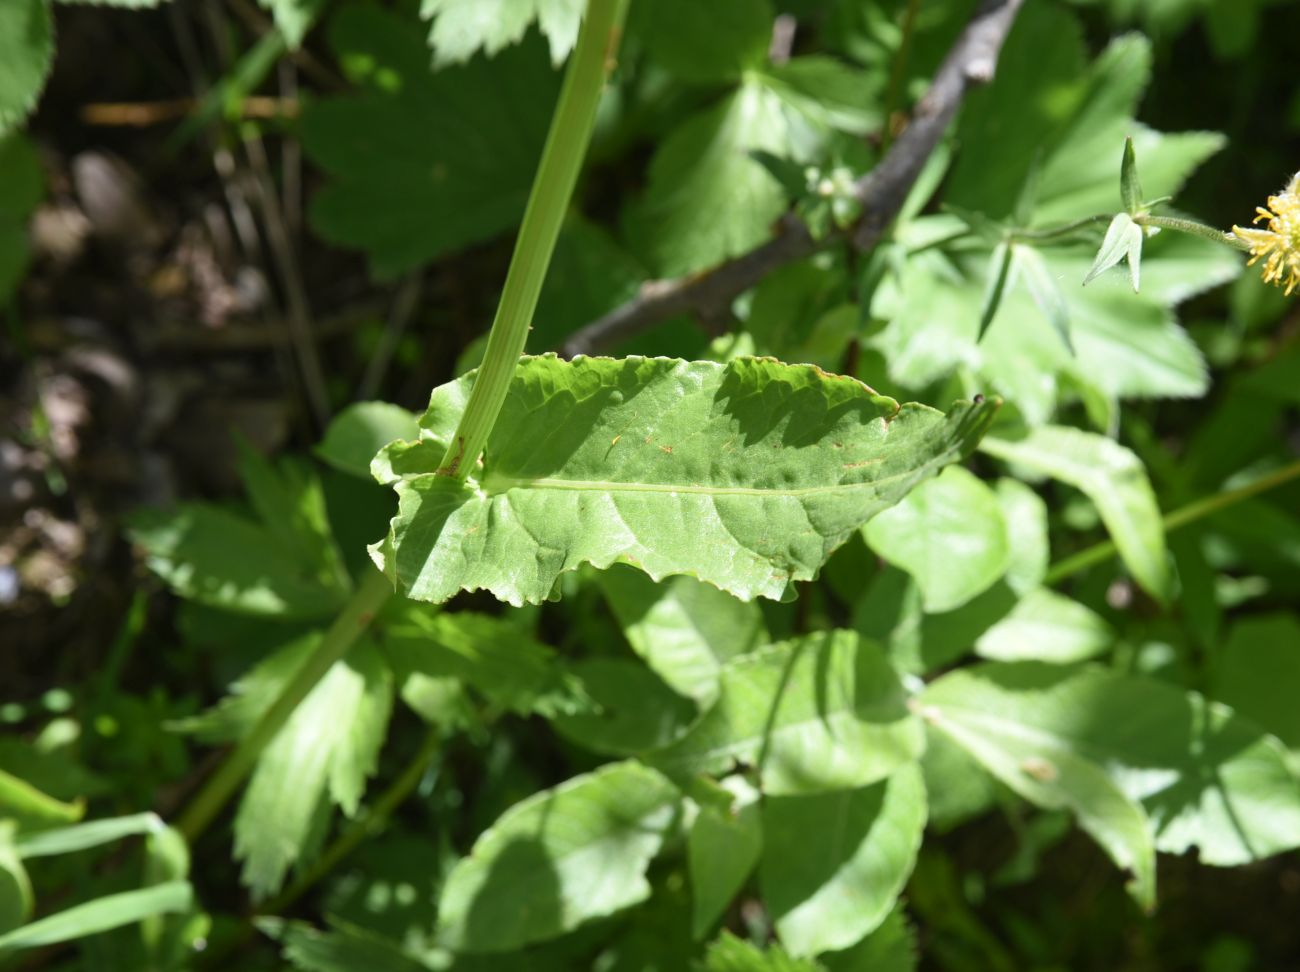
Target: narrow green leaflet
[[460, 28], [329, 745], [1046, 626], [722, 849], [705, 43], [26, 51], [361, 430], [1202, 775], [949, 534], [560, 858], [423, 163], [834, 863], [746, 475], [102, 914], [16, 898], [66, 840], [344, 948], [31, 807], [732, 954], [684, 629], [1113, 478], [823, 712]]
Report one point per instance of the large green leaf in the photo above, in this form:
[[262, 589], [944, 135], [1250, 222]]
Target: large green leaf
[[99, 915], [26, 51], [948, 533], [424, 163], [1025, 515], [722, 848], [1116, 482], [1080, 737], [684, 629], [746, 475], [635, 710], [361, 430], [560, 858], [823, 712], [834, 863], [462, 27]]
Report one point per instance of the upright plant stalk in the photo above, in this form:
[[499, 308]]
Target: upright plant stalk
[[566, 145]]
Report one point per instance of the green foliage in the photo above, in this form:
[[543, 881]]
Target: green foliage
[[731, 664], [745, 475]]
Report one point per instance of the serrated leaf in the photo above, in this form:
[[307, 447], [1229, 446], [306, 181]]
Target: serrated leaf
[[949, 534], [1116, 482], [890, 948], [344, 948], [722, 849], [99, 915], [501, 662], [558, 859], [1046, 626], [362, 429], [1202, 775], [330, 745], [746, 475], [461, 28], [26, 52], [834, 863], [420, 163], [705, 43], [685, 630], [825, 711], [732, 954], [827, 91]]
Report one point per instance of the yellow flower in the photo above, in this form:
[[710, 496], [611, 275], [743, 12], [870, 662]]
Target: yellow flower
[[1280, 243]]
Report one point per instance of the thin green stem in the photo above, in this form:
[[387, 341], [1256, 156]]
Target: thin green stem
[[1196, 510], [1053, 232], [373, 821], [566, 145], [896, 72], [1192, 228], [355, 617]]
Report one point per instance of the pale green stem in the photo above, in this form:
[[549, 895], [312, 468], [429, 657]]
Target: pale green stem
[[566, 145], [355, 617], [1196, 510], [1192, 228]]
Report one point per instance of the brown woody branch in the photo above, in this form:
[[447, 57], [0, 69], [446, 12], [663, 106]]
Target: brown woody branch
[[881, 191]]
